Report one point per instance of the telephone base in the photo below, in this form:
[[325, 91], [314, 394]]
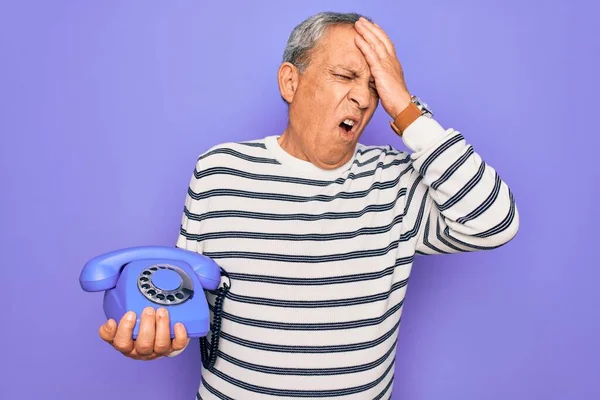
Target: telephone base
[[185, 302]]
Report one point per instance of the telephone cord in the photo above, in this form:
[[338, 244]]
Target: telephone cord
[[209, 352]]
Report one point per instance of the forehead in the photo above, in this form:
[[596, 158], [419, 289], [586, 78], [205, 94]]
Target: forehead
[[337, 47]]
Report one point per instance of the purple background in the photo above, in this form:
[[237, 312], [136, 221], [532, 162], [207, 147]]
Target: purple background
[[105, 105]]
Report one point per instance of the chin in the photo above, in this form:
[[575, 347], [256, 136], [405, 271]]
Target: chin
[[337, 154]]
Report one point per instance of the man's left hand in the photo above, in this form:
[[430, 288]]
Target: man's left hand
[[385, 67]]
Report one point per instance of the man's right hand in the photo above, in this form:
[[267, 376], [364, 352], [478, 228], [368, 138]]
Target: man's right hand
[[154, 337]]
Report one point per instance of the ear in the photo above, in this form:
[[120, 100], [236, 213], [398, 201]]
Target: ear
[[287, 77]]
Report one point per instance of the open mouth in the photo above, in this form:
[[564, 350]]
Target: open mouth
[[347, 124]]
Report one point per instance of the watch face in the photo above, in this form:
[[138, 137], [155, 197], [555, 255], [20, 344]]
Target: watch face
[[422, 105]]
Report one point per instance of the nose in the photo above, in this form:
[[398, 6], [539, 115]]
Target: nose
[[360, 95]]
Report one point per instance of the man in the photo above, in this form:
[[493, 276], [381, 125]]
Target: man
[[318, 232]]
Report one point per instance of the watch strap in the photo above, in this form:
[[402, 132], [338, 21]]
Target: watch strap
[[405, 118]]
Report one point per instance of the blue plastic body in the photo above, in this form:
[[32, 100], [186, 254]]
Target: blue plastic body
[[117, 274]]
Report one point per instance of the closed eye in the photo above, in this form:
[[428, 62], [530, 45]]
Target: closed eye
[[343, 76]]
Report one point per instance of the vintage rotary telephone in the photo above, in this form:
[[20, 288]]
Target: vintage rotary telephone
[[158, 276]]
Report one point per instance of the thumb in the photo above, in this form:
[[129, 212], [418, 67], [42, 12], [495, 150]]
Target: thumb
[[108, 330]]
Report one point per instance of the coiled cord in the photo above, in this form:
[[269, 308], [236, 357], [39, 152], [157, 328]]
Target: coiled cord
[[209, 356]]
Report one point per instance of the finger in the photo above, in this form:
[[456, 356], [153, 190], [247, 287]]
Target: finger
[[380, 34], [372, 39], [144, 344], [370, 54], [108, 330], [162, 343], [181, 339], [389, 45], [123, 340], [134, 355]]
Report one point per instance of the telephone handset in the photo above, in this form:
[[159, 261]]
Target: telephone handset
[[158, 276]]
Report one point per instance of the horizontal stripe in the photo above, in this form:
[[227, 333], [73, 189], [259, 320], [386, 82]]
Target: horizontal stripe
[[307, 259], [225, 150], [471, 245], [207, 194], [316, 349], [228, 171], [328, 280], [343, 302], [319, 237], [302, 393], [253, 144], [215, 392], [239, 155], [309, 326], [371, 208], [351, 369]]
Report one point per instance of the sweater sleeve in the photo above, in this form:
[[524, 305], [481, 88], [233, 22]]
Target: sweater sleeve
[[467, 206]]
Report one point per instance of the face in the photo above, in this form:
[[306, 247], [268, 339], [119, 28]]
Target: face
[[331, 102]]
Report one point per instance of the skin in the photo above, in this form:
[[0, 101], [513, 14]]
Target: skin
[[350, 70], [154, 338]]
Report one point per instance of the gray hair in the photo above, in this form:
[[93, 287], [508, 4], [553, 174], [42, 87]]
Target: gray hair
[[306, 35]]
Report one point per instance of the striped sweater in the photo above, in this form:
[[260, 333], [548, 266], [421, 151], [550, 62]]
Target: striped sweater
[[319, 260]]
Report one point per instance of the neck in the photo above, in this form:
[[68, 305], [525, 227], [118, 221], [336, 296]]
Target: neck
[[292, 144]]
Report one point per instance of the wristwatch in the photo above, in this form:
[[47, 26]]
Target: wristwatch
[[414, 110]]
